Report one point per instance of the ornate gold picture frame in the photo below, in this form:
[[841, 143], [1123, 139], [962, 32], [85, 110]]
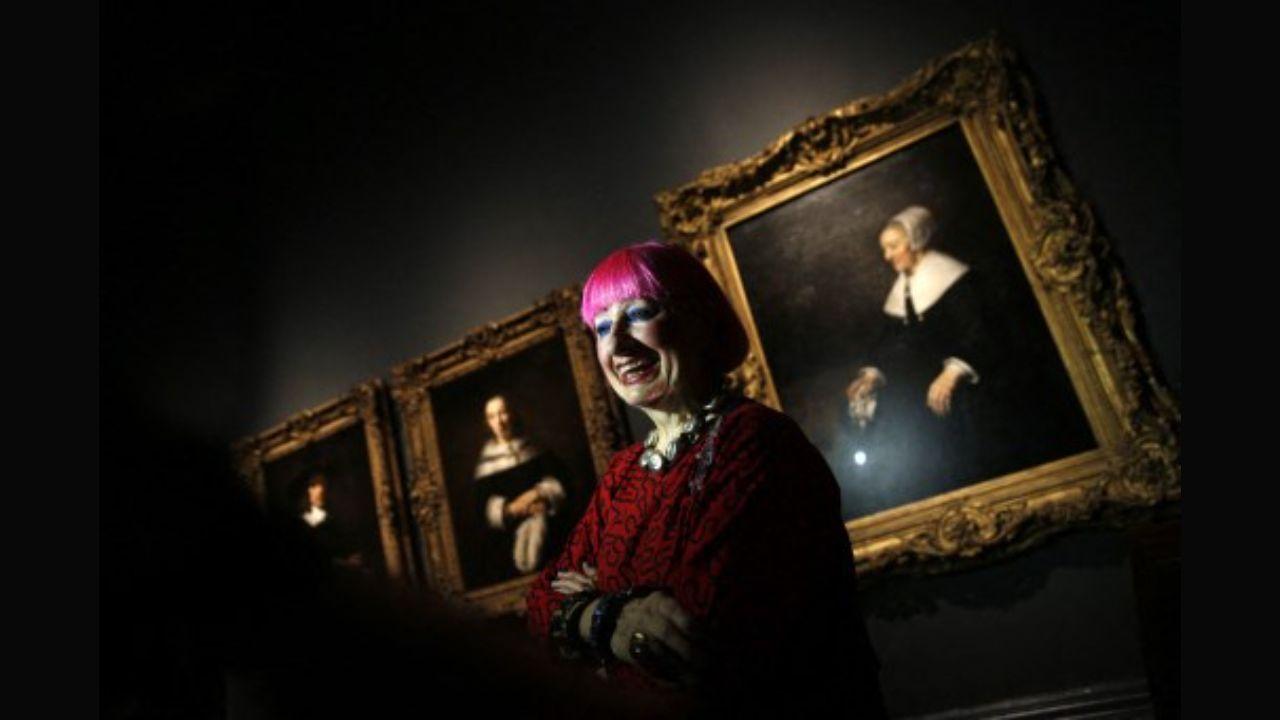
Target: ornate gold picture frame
[[330, 474], [507, 432], [1064, 418]]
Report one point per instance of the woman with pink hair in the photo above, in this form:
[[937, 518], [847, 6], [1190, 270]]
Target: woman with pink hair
[[712, 555]]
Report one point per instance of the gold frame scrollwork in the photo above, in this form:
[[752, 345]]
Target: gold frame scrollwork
[[555, 316], [366, 406], [1080, 289]]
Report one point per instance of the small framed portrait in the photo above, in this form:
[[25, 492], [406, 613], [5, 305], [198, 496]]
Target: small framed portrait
[[927, 296], [329, 476], [507, 431]]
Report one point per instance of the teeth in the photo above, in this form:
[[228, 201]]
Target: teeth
[[631, 365]]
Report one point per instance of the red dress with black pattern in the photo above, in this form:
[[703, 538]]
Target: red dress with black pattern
[[754, 547]]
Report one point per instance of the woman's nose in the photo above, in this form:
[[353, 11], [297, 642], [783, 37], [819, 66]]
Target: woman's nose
[[622, 336]]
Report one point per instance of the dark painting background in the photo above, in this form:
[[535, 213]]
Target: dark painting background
[[538, 385], [296, 199], [819, 317], [344, 459]]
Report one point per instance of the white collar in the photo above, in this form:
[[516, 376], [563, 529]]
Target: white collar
[[314, 515], [935, 273], [498, 456]]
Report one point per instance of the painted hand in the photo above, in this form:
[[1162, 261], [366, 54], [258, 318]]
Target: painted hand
[[862, 387], [941, 390], [522, 506]]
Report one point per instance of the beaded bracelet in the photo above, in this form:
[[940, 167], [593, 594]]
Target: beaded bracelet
[[564, 625], [605, 618]]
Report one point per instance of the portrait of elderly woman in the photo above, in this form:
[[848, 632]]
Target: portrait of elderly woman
[[941, 397], [519, 492], [901, 332], [914, 404], [711, 561]]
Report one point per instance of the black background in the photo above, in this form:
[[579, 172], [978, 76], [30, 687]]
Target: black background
[[296, 200]]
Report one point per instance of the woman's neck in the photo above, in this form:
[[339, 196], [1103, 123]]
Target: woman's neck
[[673, 414], [668, 422]]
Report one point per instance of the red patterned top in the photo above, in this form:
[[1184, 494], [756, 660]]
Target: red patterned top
[[759, 553]]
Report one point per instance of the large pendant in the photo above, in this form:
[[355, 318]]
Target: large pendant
[[651, 459], [658, 460]]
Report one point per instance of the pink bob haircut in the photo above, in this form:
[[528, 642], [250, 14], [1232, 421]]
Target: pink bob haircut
[[670, 276]]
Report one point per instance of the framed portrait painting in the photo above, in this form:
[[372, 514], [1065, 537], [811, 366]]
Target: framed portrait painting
[[507, 431], [930, 300], [329, 476]]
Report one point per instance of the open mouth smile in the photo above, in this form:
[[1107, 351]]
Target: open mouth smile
[[635, 370]]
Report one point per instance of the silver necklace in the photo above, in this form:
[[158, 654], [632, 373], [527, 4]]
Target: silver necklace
[[659, 459]]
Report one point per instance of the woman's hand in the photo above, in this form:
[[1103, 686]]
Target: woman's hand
[[941, 389], [867, 382], [670, 650], [523, 505], [569, 582]]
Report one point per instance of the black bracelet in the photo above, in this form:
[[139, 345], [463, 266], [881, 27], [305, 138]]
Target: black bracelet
[[605, 619], [564, 633]]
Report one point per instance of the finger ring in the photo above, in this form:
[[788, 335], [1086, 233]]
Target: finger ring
[[653, 656], [639, 647]]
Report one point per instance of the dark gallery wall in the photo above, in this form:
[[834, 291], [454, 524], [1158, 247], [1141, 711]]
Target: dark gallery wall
[[295, 202]]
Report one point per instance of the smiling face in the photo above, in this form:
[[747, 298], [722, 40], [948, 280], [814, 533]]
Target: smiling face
[[644, 355], [498, 416], [896, 245]]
